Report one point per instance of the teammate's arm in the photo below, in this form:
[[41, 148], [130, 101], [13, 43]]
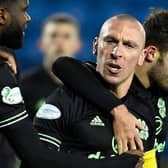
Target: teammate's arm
[[87, 83], [23, 137], [7, 55]]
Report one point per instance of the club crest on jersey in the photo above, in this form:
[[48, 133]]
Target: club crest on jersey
[[162, 107], [114, 145], [11, 95], [144, 134], [48, 111]]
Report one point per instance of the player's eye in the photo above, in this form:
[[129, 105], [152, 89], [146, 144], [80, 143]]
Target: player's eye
[[111, 40], [129, 45]]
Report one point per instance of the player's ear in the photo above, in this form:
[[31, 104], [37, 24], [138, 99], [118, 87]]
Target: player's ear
[[95, 45], [4, 16], [151, 53]]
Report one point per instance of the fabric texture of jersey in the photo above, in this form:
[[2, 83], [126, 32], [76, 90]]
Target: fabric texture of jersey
[[36, 86], [83, 128], [11, 100], [100, 96]]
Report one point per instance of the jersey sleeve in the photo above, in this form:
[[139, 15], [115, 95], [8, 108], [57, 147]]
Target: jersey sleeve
[[82, 80], [53, 119], [12, 109], [49, 126]]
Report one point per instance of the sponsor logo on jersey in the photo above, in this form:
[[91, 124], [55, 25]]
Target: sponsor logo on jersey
[[11, 95], [97, 122], [161, 104], [159, 124], [99, 155], [48, 111], [159, 146], [94, 156]]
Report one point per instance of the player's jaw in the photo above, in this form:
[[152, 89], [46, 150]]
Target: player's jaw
[[12, 37]]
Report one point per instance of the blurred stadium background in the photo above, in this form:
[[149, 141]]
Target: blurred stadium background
[[90, 13]]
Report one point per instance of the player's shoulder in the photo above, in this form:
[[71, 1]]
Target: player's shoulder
[[63, 102], [55, 104], [7, 76], [62, 93], [34, 75], [4, 66], [10, 94]]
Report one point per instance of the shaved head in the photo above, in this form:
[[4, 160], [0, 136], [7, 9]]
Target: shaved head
[[124, 18]]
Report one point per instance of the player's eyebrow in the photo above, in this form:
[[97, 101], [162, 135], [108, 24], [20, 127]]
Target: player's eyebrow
[[110, 37]]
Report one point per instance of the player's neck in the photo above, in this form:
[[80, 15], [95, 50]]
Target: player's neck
[[142, 75], [121, 90]]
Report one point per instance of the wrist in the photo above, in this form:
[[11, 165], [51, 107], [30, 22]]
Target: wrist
[[118, 109]]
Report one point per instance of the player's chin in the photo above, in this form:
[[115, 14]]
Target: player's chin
[[112, 80]]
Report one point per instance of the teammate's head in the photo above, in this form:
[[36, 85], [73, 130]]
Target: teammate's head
[[60, 36], [119, 48], [13, 20], [156, 47]]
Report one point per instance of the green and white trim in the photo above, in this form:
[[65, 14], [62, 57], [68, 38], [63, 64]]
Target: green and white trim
[[13, 119], [50, 139]]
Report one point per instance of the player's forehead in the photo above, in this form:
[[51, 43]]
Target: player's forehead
[[60, 27], [126, 29], [119, 25]]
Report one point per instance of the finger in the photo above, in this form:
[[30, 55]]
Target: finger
[[5, 55], [139, 143], [124, 146], [132, 145], [11, 62], [140, 163], [119, 142], [139, 125], [135, 152]]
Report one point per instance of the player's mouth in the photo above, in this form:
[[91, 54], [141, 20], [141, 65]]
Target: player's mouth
[[113, 68]]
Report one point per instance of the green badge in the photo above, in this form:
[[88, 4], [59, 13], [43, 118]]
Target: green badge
[[11, 95]]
